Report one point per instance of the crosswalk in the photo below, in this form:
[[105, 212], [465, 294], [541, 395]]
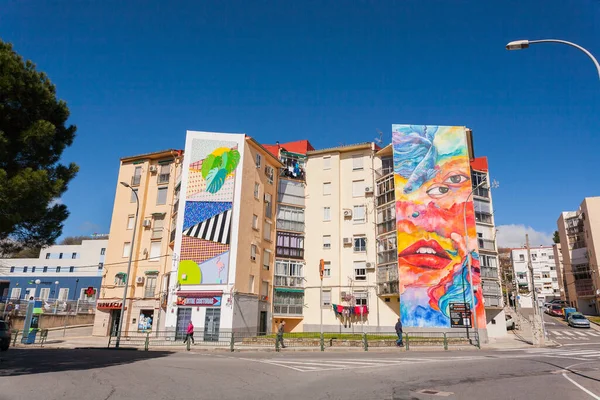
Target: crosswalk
[[574, 334], [572, 354]]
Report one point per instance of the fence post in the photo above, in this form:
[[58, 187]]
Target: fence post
[[109, 340], [277, 342], [16, 331], [188, 343], [407, 345], [366, 342], [445, 341], [232, 342], [147, 342], [322, 342], [478, 342]]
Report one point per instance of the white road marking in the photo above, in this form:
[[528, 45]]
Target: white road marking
[[593, 334], [569, 333], [564, 374], [579, 333]]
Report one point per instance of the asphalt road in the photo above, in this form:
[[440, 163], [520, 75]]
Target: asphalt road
[[558, 330], [545, 374]]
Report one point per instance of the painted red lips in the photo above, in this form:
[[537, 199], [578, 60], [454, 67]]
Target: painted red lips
[[425, 254]]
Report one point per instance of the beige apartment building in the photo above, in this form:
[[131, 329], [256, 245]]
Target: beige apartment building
[[154, 178], [560, 271], [579, 233]]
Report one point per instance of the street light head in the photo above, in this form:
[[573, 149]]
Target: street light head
[[125, 184], [56, 283], [37, 281], [518, 45]]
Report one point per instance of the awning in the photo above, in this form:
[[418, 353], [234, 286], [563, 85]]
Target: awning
[[288, 290], [120, 274], [198, 294], [151, 272]]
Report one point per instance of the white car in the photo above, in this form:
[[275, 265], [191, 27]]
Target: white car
[[510, 322]]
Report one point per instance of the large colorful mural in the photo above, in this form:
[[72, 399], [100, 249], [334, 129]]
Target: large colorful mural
[[204, 252], [432, 183]]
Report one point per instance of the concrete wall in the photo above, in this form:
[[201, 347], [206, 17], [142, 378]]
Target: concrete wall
[[495, 322], [56, 321], [591, 222]]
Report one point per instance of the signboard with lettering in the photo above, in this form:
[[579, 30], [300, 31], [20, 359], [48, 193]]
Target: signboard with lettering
[[214, 301], [460, 315], [109, 305]]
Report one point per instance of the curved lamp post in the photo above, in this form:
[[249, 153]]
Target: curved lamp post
[[523, 44]]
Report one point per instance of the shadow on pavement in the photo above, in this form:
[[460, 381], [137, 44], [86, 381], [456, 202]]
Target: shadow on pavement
[[37, 361]]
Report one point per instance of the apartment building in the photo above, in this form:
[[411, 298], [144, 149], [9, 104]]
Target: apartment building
[[579, 233], [224, 251], [341, 230], [545, 276], [147, 183], [64, 272], [289, 281], [560, 272]]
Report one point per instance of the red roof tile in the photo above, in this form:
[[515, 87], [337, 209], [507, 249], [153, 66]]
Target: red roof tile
[[299, 147]]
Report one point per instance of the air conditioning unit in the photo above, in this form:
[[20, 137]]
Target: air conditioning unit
[[370, 265], [153, 168], [139, 280], [368, 189], [347, 241], [147, 223], [347, 213]]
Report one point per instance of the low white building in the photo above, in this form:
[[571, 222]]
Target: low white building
[[545, 278]]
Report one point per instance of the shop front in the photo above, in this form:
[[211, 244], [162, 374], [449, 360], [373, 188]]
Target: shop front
[[203, 309]]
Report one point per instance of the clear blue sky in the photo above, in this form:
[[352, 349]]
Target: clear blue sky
[[137, 74]]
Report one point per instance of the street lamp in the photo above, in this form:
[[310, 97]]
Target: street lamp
[[523, 44], [137, 210], [56, 296], [37, 282]]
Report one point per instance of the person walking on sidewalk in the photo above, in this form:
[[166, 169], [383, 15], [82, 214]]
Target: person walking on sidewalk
[[280, 334], [399, 333], [190, 333]]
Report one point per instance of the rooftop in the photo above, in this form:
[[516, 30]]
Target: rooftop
[[154, 155], [345, 148]]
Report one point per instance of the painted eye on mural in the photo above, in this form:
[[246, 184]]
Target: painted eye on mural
[[438, 191], [455, 179]]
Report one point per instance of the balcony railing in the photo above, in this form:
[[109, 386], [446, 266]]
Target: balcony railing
[[381, 172], [482, 192], [486, 244], [291, 173], [491, 289], [286, 225], [289, 281], [388, 288], [388, 256], [492, 301], [135, 180], [291, 252], [385, 198], [483, 217], [487, 272], [584, 287], [385, 227], [163, 178], [285, 309], [176, 206], [172, 237]]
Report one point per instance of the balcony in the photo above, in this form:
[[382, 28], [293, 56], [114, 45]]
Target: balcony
[[291, 252], [289, 281], [388, 289], [385, 198], [387, 256], [288, 302], [176, 207], [491, 289], [483, 217], [584, 287], [135, 180], [289, 310], [381, 172], [482, 192], [286, 225], [387, 280], [487, 272], [163, 178], [172, 236], [486, 244], [385, 227], [492, 301]]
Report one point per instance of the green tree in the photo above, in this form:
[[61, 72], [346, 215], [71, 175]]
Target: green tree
[[556, 238], [33, 136]]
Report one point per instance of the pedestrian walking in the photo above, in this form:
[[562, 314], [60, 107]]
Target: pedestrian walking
[[190, 333], [280, 334], [398, 327]]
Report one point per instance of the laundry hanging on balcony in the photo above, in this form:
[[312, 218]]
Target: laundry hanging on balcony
[[349, 311]]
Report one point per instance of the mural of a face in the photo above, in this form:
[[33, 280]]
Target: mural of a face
[[432, 181]]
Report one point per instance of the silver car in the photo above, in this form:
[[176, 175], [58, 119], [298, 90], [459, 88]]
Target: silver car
[[578, 320]]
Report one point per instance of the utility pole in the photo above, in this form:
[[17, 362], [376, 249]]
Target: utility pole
[[537, 315], [321, 272]]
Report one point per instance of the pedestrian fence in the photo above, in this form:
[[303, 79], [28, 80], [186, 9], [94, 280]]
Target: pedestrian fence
[[246, 340], [49, 306]]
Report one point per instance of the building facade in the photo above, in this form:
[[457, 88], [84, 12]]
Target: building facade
[[560, 272], [545, 276], [579, 233], [222, 274], [65, 272], [147, 181]]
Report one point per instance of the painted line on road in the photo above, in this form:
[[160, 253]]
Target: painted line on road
[[580, 333], [569, 333], [593, 334], [577, 384]]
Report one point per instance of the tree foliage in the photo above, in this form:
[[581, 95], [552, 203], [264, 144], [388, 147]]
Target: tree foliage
[[556, 237], [33, 136]]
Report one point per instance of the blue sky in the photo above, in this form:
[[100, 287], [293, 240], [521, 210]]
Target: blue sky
[[137, 74]]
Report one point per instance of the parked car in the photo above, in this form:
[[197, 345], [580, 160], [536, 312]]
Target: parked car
[[578, 320], [4, 336], [555, 310], [559, 302], [510, 322]]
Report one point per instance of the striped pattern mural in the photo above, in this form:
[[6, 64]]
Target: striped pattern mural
[[216, 229]]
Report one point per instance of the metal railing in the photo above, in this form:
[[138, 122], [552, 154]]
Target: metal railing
[[287, 309], [486, 244], [18, 307], [289, 281], [483, 217], [289, 225]]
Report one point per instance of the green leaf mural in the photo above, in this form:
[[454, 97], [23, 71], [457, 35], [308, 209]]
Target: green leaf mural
[[215, 180], [207, 165], [233, 160]]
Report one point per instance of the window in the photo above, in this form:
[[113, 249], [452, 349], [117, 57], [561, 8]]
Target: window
[[264, 290], [358, 188], [161, 198], [361, 298], [255, 222], [84, 297], [133, 197], [290, 245], [32, 269], [60, 255], [74, 256], [137, 176], [266, 259], [155, 250], [290, 218], [150, 287], [543, 254], [253, 250], [71, 269], [130, 222], [15, 293], [326, 213], [327, 269], [326, 298], [258, 161], [120, 279], [357, 162], [360, 270], [554, 279], [126, 249], [552, 268], [100, 266], [12, 269], [157, 226], [267, 231], [488, 261], [256, 190], [269, 172], [57, 269], [164, 172], [102, 251], [47, 256], [24, 269], [63, 294], [45, 269], [360, 243], [251, 284], [44, 293], [327, 162], [359, 214], [269, 205], [551, 257], [326, 241], [326, 188], [521, 257]]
